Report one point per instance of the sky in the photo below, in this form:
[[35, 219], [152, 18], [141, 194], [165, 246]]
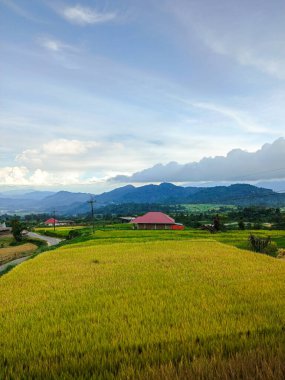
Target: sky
[[92, 92]]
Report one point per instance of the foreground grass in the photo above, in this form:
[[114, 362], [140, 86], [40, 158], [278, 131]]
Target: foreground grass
[[160, 309]]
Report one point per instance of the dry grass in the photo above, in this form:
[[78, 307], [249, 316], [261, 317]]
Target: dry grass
[[14, 252]]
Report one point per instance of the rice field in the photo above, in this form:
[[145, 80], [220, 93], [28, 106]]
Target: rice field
[[113, 234], [14, 252], [158, 309], [61, 232]]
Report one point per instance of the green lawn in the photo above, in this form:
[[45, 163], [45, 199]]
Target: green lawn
[[144, 307]]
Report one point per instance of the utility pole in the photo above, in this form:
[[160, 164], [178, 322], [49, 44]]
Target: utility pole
[[54, 220], [91, 202]]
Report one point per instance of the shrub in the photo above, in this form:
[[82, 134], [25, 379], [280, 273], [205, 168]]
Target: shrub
[[241, 225], [258, 244], [271, 249], [73, 234]]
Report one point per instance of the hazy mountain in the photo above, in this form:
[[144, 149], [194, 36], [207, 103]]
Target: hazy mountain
[[166, 193], [65, 202], [278, 186], [62, 199]]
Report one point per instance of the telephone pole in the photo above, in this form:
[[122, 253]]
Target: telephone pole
[[91, 202], [54, 220]]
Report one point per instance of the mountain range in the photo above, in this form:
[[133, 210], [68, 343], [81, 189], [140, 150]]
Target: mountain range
[[69, 203]]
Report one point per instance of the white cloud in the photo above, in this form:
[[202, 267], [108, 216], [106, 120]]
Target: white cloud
[[13, 175], [83, 15], [53, 45], [22, 176], [64, 147], [237, 165]]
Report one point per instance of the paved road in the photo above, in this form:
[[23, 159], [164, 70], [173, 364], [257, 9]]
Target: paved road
[[50, 241], [13, 263]]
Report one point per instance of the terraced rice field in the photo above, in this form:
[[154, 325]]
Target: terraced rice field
[[14, 252], [144, 310]]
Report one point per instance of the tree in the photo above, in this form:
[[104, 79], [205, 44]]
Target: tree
[[217, 223], [17, 228], [241, 225]]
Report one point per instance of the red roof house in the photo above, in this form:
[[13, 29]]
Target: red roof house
[[156, 221], [51, 222]]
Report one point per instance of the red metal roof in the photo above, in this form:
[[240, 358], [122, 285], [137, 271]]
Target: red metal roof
[[154, 218], [51, 221]]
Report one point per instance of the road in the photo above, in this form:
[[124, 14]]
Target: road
[[13, 263], [50, 241]]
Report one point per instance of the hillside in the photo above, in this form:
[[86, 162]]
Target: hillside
[[175, 309], [70, 203]]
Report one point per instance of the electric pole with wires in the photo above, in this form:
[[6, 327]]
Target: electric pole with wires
[[91, 202], [54, 220]]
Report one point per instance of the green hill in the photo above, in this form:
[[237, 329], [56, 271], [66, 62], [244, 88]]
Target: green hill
[[144, 310]]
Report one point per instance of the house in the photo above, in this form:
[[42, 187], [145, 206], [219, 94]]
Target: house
[[51, 222], [55, 222], [156, 221], [3, 228]]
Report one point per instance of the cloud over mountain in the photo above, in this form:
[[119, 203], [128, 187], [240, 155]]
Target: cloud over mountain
[[237, 165]]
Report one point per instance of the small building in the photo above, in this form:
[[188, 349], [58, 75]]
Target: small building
[[156, 221], [51, 222], [55, 222], [4, 229], [126, 219]]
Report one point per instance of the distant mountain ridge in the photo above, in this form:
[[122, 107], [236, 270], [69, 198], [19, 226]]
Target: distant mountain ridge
[[69, 203]]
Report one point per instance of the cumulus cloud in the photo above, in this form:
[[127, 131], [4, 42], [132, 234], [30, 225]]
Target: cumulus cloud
[[65, 147], [85, 16], [23, 176], [51, 149], [237, 165]]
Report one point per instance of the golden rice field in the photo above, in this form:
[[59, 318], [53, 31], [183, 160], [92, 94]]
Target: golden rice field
[[144, 310], [14, 252]]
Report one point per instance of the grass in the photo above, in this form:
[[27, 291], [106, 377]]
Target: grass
[[5, 241], [129, 309], [14, 252]]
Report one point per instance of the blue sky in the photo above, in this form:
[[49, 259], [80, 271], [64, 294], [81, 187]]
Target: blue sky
[[95, 89]]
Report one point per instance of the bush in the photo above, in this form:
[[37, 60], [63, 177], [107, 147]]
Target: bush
[[73, 234], [241, 225], [263, 245], [271, 249], [258, 244]]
